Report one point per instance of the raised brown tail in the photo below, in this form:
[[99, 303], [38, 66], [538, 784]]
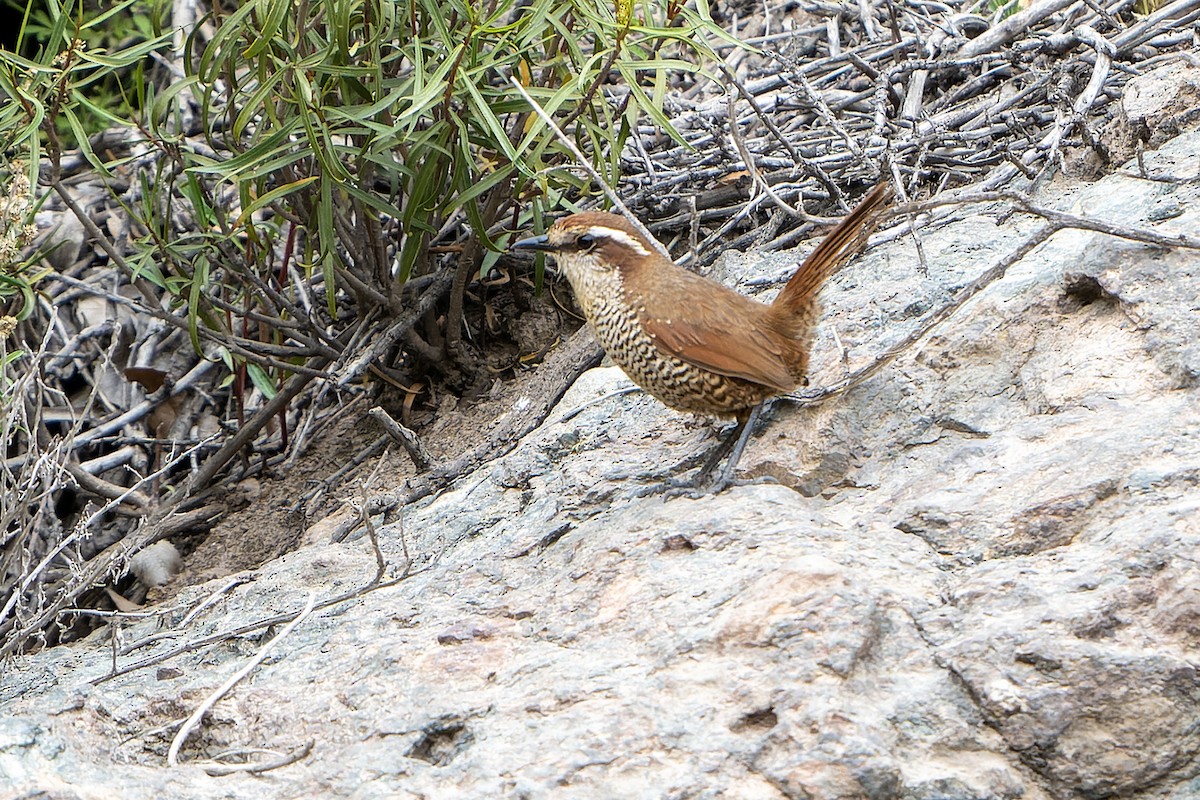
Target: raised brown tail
[[841, 243]]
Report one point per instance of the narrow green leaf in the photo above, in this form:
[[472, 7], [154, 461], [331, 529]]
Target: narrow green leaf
[[199, 281], [482, 187], [276, 11], [224, 43], [238, 166], [262, 97], [62, 18], [372, 201], [261, 380], [81, 137], [484, 115], [22, 288], [271, 196], [327, 239]]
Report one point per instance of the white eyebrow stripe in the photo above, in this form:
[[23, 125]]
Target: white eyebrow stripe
[[619, 236]]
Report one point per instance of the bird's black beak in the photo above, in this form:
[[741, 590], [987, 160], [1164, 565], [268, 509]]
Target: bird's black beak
[[533, 243]]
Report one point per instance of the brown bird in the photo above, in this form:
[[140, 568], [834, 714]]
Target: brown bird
[[691, 342]]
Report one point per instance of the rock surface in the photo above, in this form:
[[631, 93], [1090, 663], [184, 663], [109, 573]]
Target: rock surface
[[976, 578]]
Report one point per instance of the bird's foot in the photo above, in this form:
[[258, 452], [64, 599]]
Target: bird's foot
[[701, 485]]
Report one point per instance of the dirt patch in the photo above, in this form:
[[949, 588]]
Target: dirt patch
[[267, 515]]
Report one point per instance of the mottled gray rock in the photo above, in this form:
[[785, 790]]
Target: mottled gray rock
[[1163, 101], [983, 585]]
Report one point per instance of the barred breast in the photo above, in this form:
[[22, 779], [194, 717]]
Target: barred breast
[[675, 382]]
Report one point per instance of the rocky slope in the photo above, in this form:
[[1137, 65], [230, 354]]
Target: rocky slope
[[976, 576]]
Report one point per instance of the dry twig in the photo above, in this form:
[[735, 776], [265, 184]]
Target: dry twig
[[193, 721]]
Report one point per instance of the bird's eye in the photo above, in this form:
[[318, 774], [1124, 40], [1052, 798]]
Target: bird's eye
[[585, 242]]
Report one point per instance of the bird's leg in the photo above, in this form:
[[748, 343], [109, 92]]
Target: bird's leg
[[734, 444], [730, 450]]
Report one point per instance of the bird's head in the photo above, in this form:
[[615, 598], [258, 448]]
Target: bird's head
[[592, 243]]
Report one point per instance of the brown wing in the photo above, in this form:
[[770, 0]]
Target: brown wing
[[715, 328]]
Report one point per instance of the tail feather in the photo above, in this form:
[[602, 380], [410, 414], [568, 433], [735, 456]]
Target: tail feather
[[843, 242]]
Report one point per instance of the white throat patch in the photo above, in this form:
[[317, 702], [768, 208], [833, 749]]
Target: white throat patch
[[618, 236]]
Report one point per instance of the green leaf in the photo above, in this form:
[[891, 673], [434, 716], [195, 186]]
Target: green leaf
[[647, 105], [277, 149], [277, 10], [434, 88], [252, 108], [271, 196], [15, 126], [144, 266], [479, 188], [15, 285], [372, 201], [483, 114], [81, 138], [327, 239], [225, 41], [261, 380], [199, 281], [194, 192]]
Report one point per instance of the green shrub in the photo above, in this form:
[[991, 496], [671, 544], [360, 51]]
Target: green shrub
[[368, 124], [338, 140]]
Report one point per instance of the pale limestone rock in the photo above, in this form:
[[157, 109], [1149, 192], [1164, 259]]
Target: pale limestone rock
[[990, 593]]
